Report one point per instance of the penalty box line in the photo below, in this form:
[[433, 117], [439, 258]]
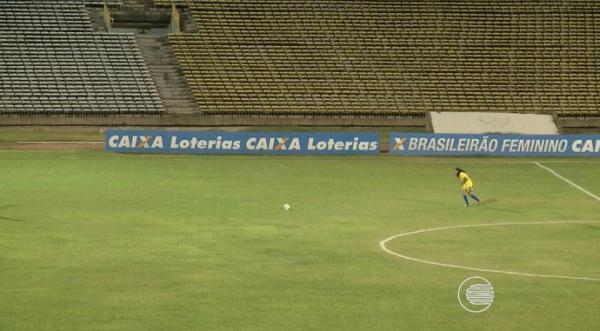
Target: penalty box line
[[556, 174]]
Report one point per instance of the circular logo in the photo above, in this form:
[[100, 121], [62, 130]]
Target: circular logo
[[475, 294]]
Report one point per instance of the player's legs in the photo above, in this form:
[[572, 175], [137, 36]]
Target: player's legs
[[473, 196], [465, 192], [468, 191], [464, 195]]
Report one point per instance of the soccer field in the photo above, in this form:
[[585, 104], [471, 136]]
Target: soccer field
[[97, 241]]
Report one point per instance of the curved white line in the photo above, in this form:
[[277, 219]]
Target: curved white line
[[455, 266]]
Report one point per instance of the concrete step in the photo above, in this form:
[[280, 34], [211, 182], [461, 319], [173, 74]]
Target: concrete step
[[157, 60], [173, 85], [164, 68], [183, 98], [149, 42], [170, 95], [178, 103], [179, 92], [179, 106], [161, 69], [177, 99], [168, 77], [166, 73], [186, 110]]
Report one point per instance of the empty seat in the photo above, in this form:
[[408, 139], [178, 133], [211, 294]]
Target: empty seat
[[51, 61], [391, 57]]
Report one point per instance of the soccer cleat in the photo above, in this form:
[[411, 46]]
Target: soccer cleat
[[466, 205]]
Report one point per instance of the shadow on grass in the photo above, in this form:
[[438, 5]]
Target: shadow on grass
[[2, 218], [489, 201], [490, 204]]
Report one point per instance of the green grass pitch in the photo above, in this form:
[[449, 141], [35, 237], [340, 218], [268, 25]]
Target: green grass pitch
[[96, 241]]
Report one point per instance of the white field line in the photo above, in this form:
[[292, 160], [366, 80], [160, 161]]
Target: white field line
[[556, 174], [383, 243]]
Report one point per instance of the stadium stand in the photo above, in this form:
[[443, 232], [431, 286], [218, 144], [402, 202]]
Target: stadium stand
[[52, 62], [313, 58], [60, 2], [383, 57], [21, 17]]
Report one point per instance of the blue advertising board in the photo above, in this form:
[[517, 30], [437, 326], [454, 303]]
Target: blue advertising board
[[274, 143], [405, 143]]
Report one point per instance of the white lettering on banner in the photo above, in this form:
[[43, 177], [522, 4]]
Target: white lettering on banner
[[472, 145], [333, 145], [525, 145], [422, 144], [124, 142], [319, 146], [481, 145], [586, 146], [534, 145], [273, 144], [399, 144], [117, 141], [431, 145], [255, 142], [294, 145], [461, 144], [313, 144], [493, 145], [563, 145], [157, 143], [211, 144], [513, 144], [412, 144], [504, 145], [112, 141]]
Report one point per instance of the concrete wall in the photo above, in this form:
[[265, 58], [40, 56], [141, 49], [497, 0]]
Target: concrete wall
[[579, 125], [487, 122]]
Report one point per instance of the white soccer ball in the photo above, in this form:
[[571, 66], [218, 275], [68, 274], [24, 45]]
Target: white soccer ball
[[286, 207]]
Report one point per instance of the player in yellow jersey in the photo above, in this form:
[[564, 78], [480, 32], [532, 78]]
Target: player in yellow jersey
[[467, 186]]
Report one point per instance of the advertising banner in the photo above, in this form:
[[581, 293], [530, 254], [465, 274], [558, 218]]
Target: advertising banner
[[405, 143], [273, 143]]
